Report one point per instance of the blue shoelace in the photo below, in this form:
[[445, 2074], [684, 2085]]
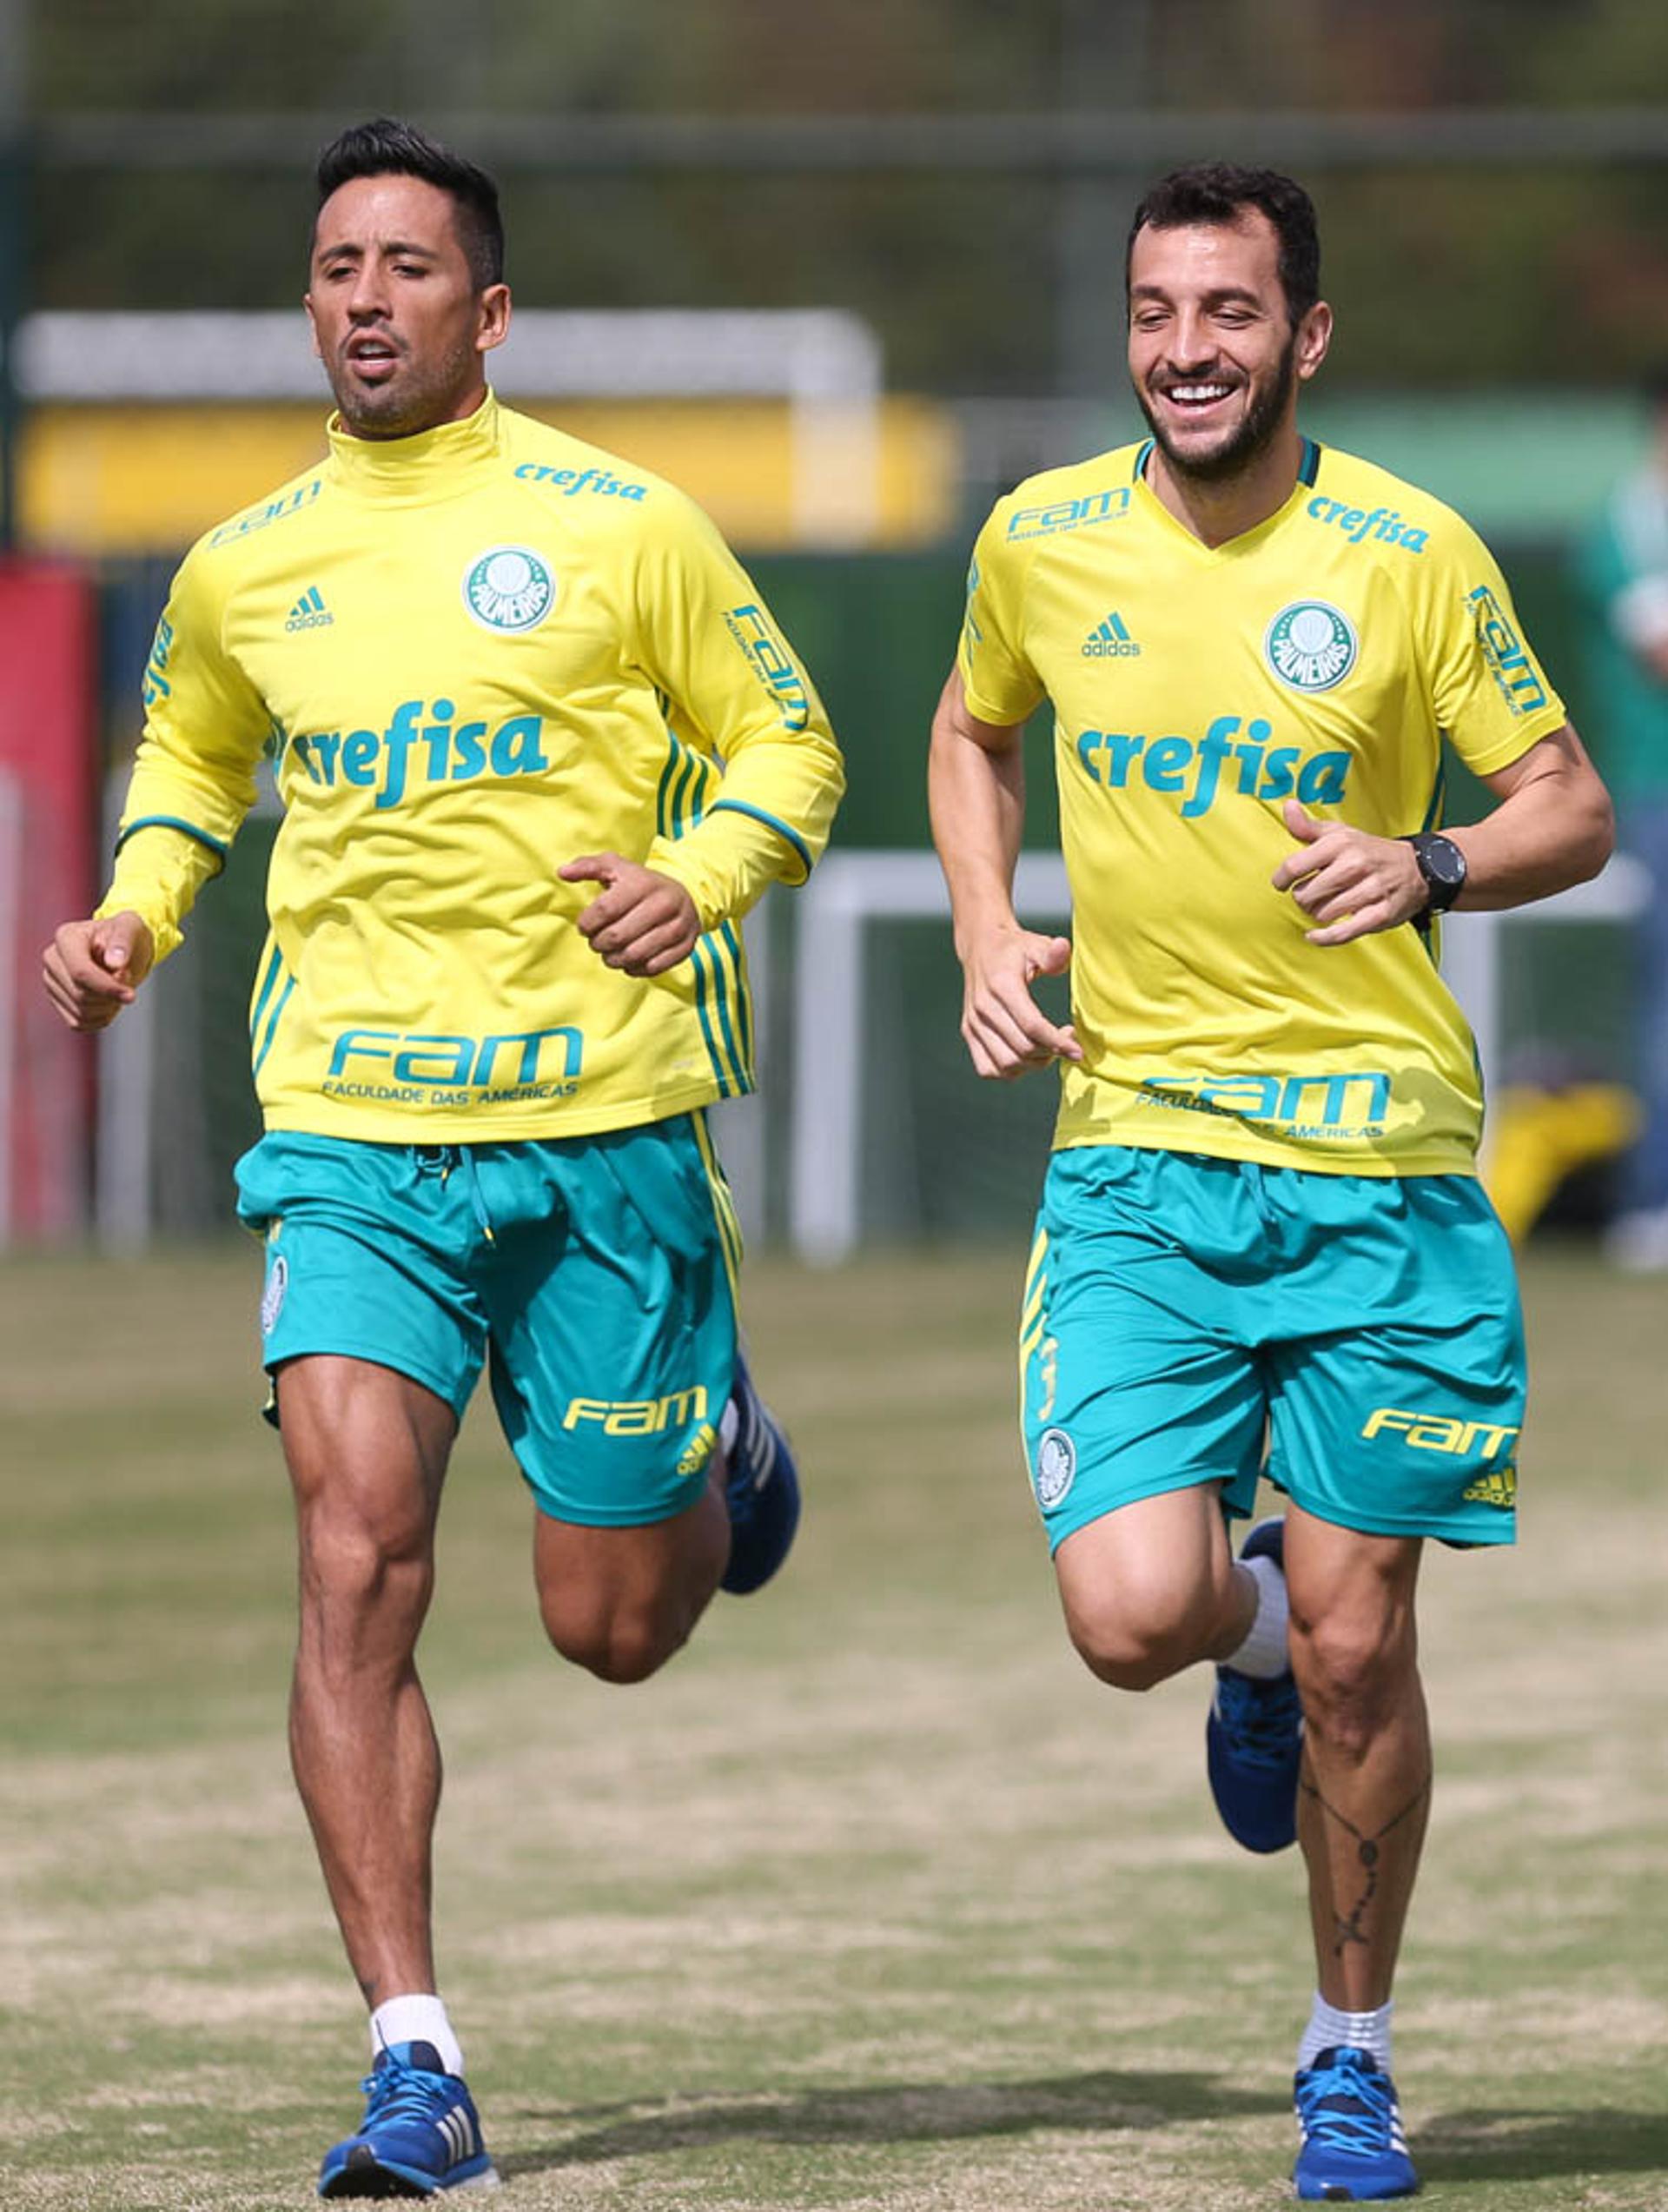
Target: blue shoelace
[[396, 2092], [1347, 2108]]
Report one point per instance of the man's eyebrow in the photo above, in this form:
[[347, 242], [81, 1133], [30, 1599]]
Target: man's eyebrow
[[391, 245], [1218, 295]]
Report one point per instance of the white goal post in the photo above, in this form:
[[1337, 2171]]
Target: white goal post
[[850, 890]]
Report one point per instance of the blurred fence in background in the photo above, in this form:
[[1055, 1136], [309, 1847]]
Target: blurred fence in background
[[941, 1154], [937, 197]]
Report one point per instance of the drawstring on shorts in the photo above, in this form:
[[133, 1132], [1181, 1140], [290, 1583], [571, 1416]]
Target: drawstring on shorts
[[440, 1160]]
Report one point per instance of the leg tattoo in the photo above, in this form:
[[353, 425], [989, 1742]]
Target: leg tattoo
[[1351, 1928]]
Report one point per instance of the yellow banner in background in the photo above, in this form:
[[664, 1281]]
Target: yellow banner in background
[[774, 474]]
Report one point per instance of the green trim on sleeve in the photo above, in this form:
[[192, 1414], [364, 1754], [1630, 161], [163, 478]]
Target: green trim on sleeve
[[218, 846], [757, 813]]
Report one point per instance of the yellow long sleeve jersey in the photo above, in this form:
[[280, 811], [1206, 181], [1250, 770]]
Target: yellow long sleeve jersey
[[473, 655]]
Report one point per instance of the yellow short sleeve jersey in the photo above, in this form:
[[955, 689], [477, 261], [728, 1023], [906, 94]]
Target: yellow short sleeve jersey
[[473, 655], [1324, 656]]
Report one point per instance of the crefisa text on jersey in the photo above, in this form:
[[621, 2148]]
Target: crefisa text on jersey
[[447, 750], [1193, 770], [570, 480], [1357, 523]]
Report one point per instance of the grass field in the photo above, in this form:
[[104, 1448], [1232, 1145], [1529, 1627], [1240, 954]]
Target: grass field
[[874, 1900]]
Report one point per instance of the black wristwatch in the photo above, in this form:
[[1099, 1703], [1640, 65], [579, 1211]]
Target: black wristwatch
[[1443, 867]]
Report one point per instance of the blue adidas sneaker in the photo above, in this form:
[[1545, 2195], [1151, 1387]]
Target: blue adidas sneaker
[[1253, 1737], [761, 1488], [421, 2132], [1354, 2149]]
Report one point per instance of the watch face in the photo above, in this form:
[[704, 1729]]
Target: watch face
[[1443, 867]]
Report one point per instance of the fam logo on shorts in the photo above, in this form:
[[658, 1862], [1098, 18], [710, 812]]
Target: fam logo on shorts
[[508, 588], [1056, 1467], [1310, 646], [272, 1298]]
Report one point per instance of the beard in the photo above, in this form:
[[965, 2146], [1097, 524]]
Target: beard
[[1246, 444], [414, 398]]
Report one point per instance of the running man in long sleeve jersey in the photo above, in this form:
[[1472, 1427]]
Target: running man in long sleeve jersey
[[540, 746], [1261, 1237]]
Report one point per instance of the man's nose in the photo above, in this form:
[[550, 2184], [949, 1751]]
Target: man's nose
[[368, 296], [1192, 342]]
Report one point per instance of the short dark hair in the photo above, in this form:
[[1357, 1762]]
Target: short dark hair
[[1220, 192], [384, 147]]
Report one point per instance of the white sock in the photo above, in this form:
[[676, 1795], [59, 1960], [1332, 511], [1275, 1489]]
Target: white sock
[[1329, 2028], [1264, 1653], [417, 2019]]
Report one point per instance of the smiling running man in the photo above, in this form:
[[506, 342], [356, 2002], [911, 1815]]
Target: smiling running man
[[1260, 1225]]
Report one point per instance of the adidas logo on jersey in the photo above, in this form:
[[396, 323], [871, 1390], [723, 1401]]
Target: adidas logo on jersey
[[309, 612], [1109, 640]]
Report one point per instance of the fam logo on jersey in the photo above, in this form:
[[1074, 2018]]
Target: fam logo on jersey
[[1506, 655], [278, 510], [1310, 646], [1056, 1467], [1110, 506], [1110, 640], [772, 662], [155, 686], [400, 1068], [508, 588], [1349, 1103]]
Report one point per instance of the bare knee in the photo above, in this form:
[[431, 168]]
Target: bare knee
[[367, 1450], [365, 1581], [616, 1641], [620, 1602], [1146, 1588], [1133, 1645], [1353, 1676]]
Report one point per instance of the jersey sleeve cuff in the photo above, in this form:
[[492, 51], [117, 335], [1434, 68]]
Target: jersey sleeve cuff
[[1001, 713], [165, 934], [1545, 723]]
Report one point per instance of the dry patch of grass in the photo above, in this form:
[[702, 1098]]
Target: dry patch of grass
[[875, 1899]]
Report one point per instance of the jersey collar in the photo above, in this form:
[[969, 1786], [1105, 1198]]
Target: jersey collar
[[435, 463], [1248, 540]]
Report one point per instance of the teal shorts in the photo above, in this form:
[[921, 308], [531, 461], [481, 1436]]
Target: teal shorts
[[1356, 1338], [595, 1277]]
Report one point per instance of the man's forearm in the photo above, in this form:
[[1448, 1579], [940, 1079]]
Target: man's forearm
[[977, 799], [1553, 828]]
